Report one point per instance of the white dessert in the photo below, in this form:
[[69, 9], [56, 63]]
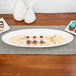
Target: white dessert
[[15, 39]]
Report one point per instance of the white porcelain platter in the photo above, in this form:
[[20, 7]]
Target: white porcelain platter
[[37, 32]]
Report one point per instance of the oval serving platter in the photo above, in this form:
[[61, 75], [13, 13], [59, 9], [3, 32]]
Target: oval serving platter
[[38, 33]]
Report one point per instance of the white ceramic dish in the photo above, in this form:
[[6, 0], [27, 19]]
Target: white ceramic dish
[[37, 32], [67, 29], [6, 27]]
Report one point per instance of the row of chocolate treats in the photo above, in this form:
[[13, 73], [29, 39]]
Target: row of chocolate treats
[[35, 42], [72, 26], [28, 42], [1, 26]]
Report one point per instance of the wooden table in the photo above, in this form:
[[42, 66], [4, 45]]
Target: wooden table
[[39, 65]]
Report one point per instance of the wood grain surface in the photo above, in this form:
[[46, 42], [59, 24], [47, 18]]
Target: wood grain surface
[[44, 19], [39, 65]]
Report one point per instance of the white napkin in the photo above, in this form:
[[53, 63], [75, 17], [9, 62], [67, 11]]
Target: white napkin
[[19, 10], [27, 2], [29, 16], [23, 11]]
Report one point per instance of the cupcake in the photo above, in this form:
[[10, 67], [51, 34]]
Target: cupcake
[[72, 27]]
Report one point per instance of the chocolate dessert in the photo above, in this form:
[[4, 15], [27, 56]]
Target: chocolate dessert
[[1, 29], [42, 42], [35, 42], [72, 27], [75, 30], [1, 26], [28, 42]]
